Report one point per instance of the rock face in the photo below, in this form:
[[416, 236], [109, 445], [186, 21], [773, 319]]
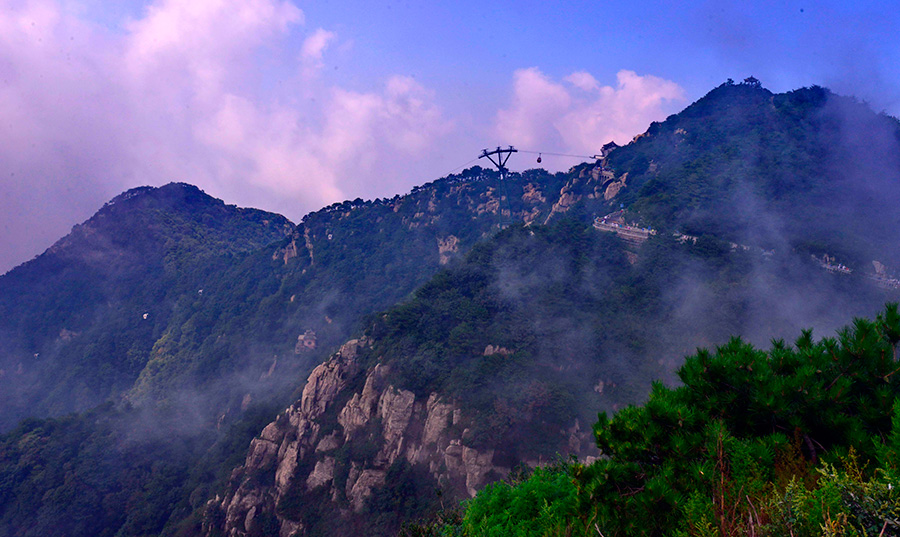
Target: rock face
[[590, 183], [532, 194], [614, 186], [288, 252], [447, 246], [567, 198], [306, 452]]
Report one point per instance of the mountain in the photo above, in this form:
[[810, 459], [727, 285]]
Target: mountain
[[500, 360], [472, 349], [340, 264], [225, 359], [806, 170], [222, 304], [78, 322]]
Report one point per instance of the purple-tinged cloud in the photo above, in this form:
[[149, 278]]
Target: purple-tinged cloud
[[180, 93], [579, 115], [313, 50]]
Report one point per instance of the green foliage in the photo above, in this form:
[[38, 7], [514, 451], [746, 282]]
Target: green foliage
[[794, 441], [544, 504], [888, 452], [92, 473], [109, 472], [843, 502], [446, 523], [408, 494]]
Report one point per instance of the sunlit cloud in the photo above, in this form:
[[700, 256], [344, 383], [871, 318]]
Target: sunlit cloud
[[313, 50], [232, 95], [579, 115], [174, 95]]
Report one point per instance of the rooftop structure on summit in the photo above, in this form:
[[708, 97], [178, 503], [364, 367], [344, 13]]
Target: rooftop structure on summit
[[607, 148]]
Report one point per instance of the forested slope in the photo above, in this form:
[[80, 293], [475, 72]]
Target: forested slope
[[503, 358], [802, 439], [78, 322]]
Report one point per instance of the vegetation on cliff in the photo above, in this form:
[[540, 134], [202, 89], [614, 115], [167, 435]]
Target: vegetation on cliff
[[801, 440]]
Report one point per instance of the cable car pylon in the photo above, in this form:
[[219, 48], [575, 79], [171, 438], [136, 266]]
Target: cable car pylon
[[502, 158]]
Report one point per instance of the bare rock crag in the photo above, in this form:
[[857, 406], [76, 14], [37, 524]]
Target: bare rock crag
[[297, 453]]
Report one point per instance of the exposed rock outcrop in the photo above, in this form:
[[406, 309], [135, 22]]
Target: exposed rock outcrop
[[589, 184], [491, 203], [447, 246], [568, 197], [491, 350], [288, 252], [307, 448], [531, 194], [613, 189]]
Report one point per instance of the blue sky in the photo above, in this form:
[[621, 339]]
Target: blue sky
[[289, 105]]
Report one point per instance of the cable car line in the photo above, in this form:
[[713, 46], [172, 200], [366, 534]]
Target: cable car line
[[539, 153], [454, 170]]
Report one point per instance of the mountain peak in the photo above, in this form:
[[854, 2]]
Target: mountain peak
[[154, 219], [170, 195]]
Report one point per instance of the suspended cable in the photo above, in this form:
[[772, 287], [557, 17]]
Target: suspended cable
[[539, 153], [454, 170], [558, 154]]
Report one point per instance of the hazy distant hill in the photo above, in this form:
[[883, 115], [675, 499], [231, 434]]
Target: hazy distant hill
[[498, 338], [77, 323]]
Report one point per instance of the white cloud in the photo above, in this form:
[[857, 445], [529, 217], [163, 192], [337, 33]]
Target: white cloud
[[579, 115], [272, 148], [313, 50], [229, 95], [583, 80], [180, 93], [537, 102]]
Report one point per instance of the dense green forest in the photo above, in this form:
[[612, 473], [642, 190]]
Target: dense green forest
[[800, 440]]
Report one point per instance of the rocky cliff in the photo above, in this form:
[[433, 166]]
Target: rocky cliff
[[339, 443]]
